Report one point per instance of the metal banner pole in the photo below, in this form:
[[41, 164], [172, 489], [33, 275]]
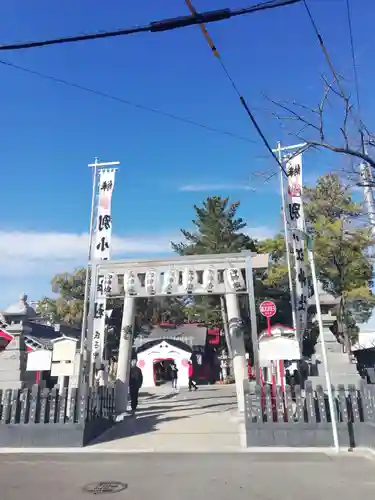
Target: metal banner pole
[[287, 249], [324, 352]]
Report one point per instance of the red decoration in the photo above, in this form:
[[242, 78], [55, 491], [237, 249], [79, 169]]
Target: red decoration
[[141, 364], [185, 362]]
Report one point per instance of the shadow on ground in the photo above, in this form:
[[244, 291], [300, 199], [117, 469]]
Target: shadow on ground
[[187, 407], [132, 426], [157, 409]]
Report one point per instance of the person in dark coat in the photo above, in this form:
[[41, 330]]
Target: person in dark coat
[[135, 383], [174, 375]]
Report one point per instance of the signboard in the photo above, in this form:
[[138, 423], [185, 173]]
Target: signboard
[[267, 309], [278, 348], [39, 361]]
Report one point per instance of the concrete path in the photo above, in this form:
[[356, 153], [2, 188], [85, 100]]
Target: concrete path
[[204, 420], [163, 476]]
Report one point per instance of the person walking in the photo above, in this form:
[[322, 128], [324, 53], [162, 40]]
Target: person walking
[[192, 383], [135, 383], [101, 379], [174, 376]]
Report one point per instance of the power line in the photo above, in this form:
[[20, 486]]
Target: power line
[[355, 73], [333, 71], [324, 49], [352, 49], [125, 101], [243, 102], [157, 26]]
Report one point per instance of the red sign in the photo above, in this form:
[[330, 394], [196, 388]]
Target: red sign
[[267, 309]]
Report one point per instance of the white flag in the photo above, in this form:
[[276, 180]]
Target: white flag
[[103, 228], [296, 227], [101, 251]]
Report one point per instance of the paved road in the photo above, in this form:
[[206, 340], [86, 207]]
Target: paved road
[[193, 421], [186, 476]]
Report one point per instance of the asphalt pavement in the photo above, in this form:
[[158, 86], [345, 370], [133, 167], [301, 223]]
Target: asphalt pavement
[[159, 476]]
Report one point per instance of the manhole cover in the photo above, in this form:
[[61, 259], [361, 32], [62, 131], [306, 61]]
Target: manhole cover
[[105, 487]]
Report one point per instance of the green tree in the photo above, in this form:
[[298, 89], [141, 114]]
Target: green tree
[[67, 308], [341, 250], [276, 277], [218, 229]]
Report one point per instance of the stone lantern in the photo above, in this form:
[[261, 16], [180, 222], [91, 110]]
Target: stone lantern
[[13, 358], [342, 371]]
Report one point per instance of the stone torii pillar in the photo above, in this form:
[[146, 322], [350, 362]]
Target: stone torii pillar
[[238, 347], [124, 355]]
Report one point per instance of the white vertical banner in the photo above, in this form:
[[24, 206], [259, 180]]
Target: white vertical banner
[[101, 251], [103, 228], [296, 226]]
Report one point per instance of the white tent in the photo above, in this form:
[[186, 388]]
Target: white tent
[[165, 350], [282, 345]]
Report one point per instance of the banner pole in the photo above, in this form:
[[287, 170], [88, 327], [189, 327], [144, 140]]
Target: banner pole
[[291, 287], [87, 276]]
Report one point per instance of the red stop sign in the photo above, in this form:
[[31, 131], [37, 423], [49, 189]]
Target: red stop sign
[[267, 309]]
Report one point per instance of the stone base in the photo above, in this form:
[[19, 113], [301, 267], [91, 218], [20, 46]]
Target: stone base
[[52, 435]]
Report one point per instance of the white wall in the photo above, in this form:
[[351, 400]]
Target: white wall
[[163, 351]]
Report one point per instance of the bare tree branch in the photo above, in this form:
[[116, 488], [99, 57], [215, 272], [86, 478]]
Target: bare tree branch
[[313, 123]]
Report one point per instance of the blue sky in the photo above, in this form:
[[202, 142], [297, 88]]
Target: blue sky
[[50, 132]]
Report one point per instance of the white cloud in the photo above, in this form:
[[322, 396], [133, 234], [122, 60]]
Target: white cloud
[[29, 260], [215, 187], [25, 253], [261, 232]]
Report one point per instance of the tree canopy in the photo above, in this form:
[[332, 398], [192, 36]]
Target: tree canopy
[[217, 229], [341, 246], [67, 308]]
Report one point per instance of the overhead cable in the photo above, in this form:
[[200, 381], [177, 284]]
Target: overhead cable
[[243, 102], [125, 101], [355, 73], [332, 68], [352, 50], [325, 51], [157, 26]]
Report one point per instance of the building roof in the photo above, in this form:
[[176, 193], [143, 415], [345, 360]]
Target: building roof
[[20, 308], [44, 334], [172, 342]]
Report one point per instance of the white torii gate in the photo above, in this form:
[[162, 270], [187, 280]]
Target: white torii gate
[[220, 274]]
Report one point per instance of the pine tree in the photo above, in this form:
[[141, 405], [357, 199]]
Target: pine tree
[[218, 229]]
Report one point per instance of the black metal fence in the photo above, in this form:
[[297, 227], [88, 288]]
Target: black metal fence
[[63, 418], [296, 417], [45, 406]]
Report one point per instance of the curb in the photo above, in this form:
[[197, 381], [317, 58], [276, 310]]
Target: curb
[[119, 451]]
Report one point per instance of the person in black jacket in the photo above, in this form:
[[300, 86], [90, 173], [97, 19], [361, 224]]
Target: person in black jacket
[[135, 383]]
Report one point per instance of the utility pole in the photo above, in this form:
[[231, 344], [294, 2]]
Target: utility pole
[[367, 184]]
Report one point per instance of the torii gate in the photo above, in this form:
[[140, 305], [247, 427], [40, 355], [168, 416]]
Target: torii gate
[[223, 274]]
